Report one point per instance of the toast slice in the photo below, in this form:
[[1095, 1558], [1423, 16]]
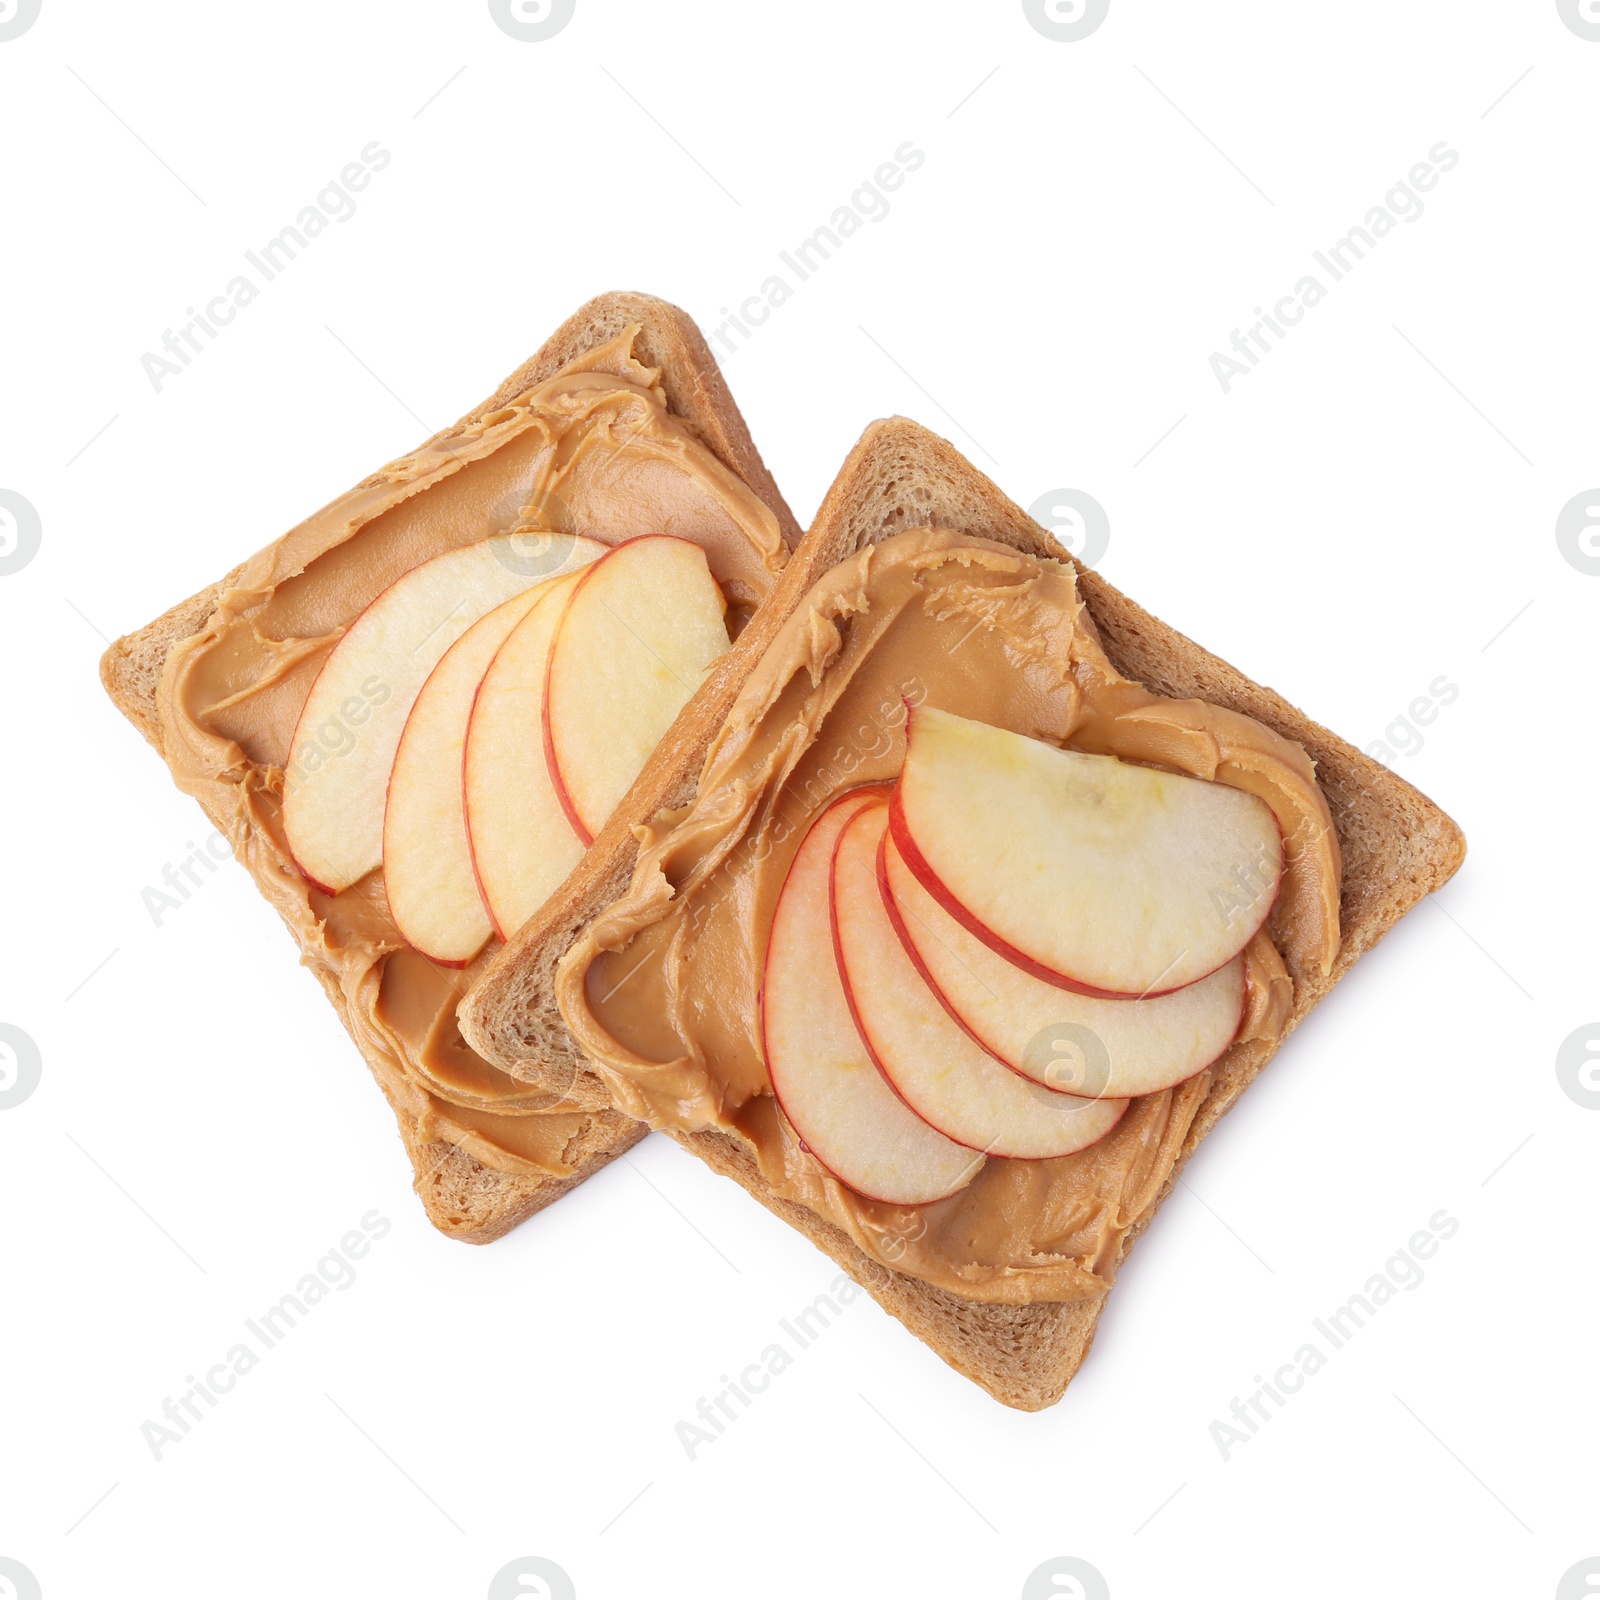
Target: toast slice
[[463, 1197], [1397, 847]]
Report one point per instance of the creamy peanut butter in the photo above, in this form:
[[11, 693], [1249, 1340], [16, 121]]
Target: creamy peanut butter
[[592, 451], [661, 992]]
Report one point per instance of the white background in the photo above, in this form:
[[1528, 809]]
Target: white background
[[1373, 507]]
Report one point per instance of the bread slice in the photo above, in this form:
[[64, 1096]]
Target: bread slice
[[1397, 847], [464, 1198]]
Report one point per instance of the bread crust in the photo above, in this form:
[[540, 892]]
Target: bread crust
[[1397, 846], [463, 1198]]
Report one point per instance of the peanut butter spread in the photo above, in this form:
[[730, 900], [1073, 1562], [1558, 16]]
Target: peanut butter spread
[[662, 991], [591, 451]]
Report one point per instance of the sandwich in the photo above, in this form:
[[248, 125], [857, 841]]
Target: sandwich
[[355, 707], [965, 914]]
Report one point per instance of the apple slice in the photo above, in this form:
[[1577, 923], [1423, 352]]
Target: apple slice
[[522, 844], [935, 1066], [639, 633], [826, 1083], [1075, 1043], [427, 855], [333, 799], [1089, 872]]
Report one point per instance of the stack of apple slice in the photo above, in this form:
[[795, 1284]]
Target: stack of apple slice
[[993, 956], [489, 718]]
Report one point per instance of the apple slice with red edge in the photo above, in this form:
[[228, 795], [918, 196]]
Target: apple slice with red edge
[[1074, 1043], [334, 792], [933, 1064], [1089, 872], [427, 854], [827, 1085], [522, 843], [638, 634]]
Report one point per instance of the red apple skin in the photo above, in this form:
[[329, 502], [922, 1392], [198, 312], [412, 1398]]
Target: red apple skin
[[294, 738], [454, 966], [866, 1044], [844, 979], [557, 783], [877, 795], [472, 848], [909, 945], [500, 933], [915, 956], [930, 880], [556, 780], [861, 797], [321, 888], [459, 966]]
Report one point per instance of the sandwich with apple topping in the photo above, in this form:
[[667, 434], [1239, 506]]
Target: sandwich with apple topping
[[411, 713], [969, 917]]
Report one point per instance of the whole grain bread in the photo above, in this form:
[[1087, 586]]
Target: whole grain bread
[[1397, 847], [464, 1198]]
